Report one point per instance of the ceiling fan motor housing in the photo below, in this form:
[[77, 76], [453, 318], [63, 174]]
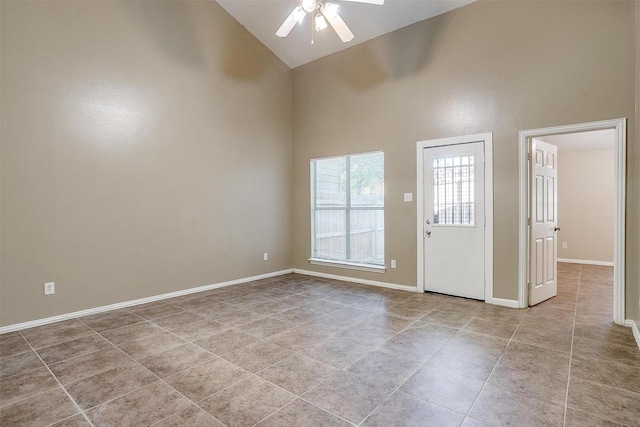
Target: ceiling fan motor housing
[[309, 5]]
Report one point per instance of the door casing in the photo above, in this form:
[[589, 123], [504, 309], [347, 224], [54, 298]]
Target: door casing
[[487, 138], [620, 128]]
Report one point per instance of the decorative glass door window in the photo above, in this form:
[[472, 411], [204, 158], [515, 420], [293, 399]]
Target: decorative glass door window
[[453, 191]]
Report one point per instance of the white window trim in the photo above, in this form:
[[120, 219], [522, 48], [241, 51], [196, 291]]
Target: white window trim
[[349, 265], [375, 268]]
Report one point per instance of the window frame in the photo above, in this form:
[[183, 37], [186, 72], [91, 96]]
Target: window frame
[[347, 208]]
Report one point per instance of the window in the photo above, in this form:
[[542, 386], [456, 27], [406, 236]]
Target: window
[[453, 191], [347, 210]]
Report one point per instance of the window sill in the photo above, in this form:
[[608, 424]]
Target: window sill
[[348, 265]]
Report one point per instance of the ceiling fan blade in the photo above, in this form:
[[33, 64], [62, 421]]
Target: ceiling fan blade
[[339, 26], [290, 22], [378, 2]]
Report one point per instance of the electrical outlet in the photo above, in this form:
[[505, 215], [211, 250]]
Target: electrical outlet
[[265, 256], [564, 245], [393, 263], [49, 288], [408, 197]]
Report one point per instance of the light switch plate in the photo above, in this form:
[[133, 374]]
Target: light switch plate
[[408, 197]]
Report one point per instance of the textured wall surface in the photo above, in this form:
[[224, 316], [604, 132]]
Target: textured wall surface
[[149, 147], [146, 148], [586, 199], [496, 67]]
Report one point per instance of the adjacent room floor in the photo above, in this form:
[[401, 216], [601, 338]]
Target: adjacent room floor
[[301, 351]]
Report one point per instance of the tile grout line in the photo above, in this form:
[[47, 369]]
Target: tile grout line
[[424, 364], [155, 375], [196, 403], [143, 320], [397, 389], [162, 380], [573, 331], [60, 384], [39, 393], [215, 355], [126, 355], [57, 343], [486, 381], [198, 364], [298, 397], [293, 401], [592, 381], [413, 322], [255, 374], [132, 359]]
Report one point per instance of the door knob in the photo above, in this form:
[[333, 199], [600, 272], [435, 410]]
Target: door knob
[[556, 228], [428, 232]]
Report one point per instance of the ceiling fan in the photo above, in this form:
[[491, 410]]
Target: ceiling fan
[[321, 11]]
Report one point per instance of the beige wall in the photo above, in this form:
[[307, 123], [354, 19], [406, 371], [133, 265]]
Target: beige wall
[[146, 148], [633, 212], [586, 199], [490, 66]]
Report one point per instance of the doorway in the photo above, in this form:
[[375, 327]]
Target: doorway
[[455, 216], [617, 128]]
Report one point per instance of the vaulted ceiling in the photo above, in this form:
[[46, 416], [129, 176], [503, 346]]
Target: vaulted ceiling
[[263, 17]]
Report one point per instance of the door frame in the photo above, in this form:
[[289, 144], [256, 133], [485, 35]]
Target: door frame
[[620, 149], [487, 139]]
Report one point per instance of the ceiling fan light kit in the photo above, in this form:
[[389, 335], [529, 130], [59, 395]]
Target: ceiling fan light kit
[[322, 12], [321, 23]]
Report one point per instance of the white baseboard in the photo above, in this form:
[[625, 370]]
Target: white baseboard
[[504, 302], [356, 280], [634, 327], [110, 307], [586, 261], [496, 301]]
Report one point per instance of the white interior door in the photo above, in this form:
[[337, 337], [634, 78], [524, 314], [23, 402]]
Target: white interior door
[[543, 253], [454, 220]]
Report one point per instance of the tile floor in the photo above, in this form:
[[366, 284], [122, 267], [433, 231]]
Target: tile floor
[[302, 351]]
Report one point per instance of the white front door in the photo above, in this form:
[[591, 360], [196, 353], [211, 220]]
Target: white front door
[[454, 220], [543, 245]]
